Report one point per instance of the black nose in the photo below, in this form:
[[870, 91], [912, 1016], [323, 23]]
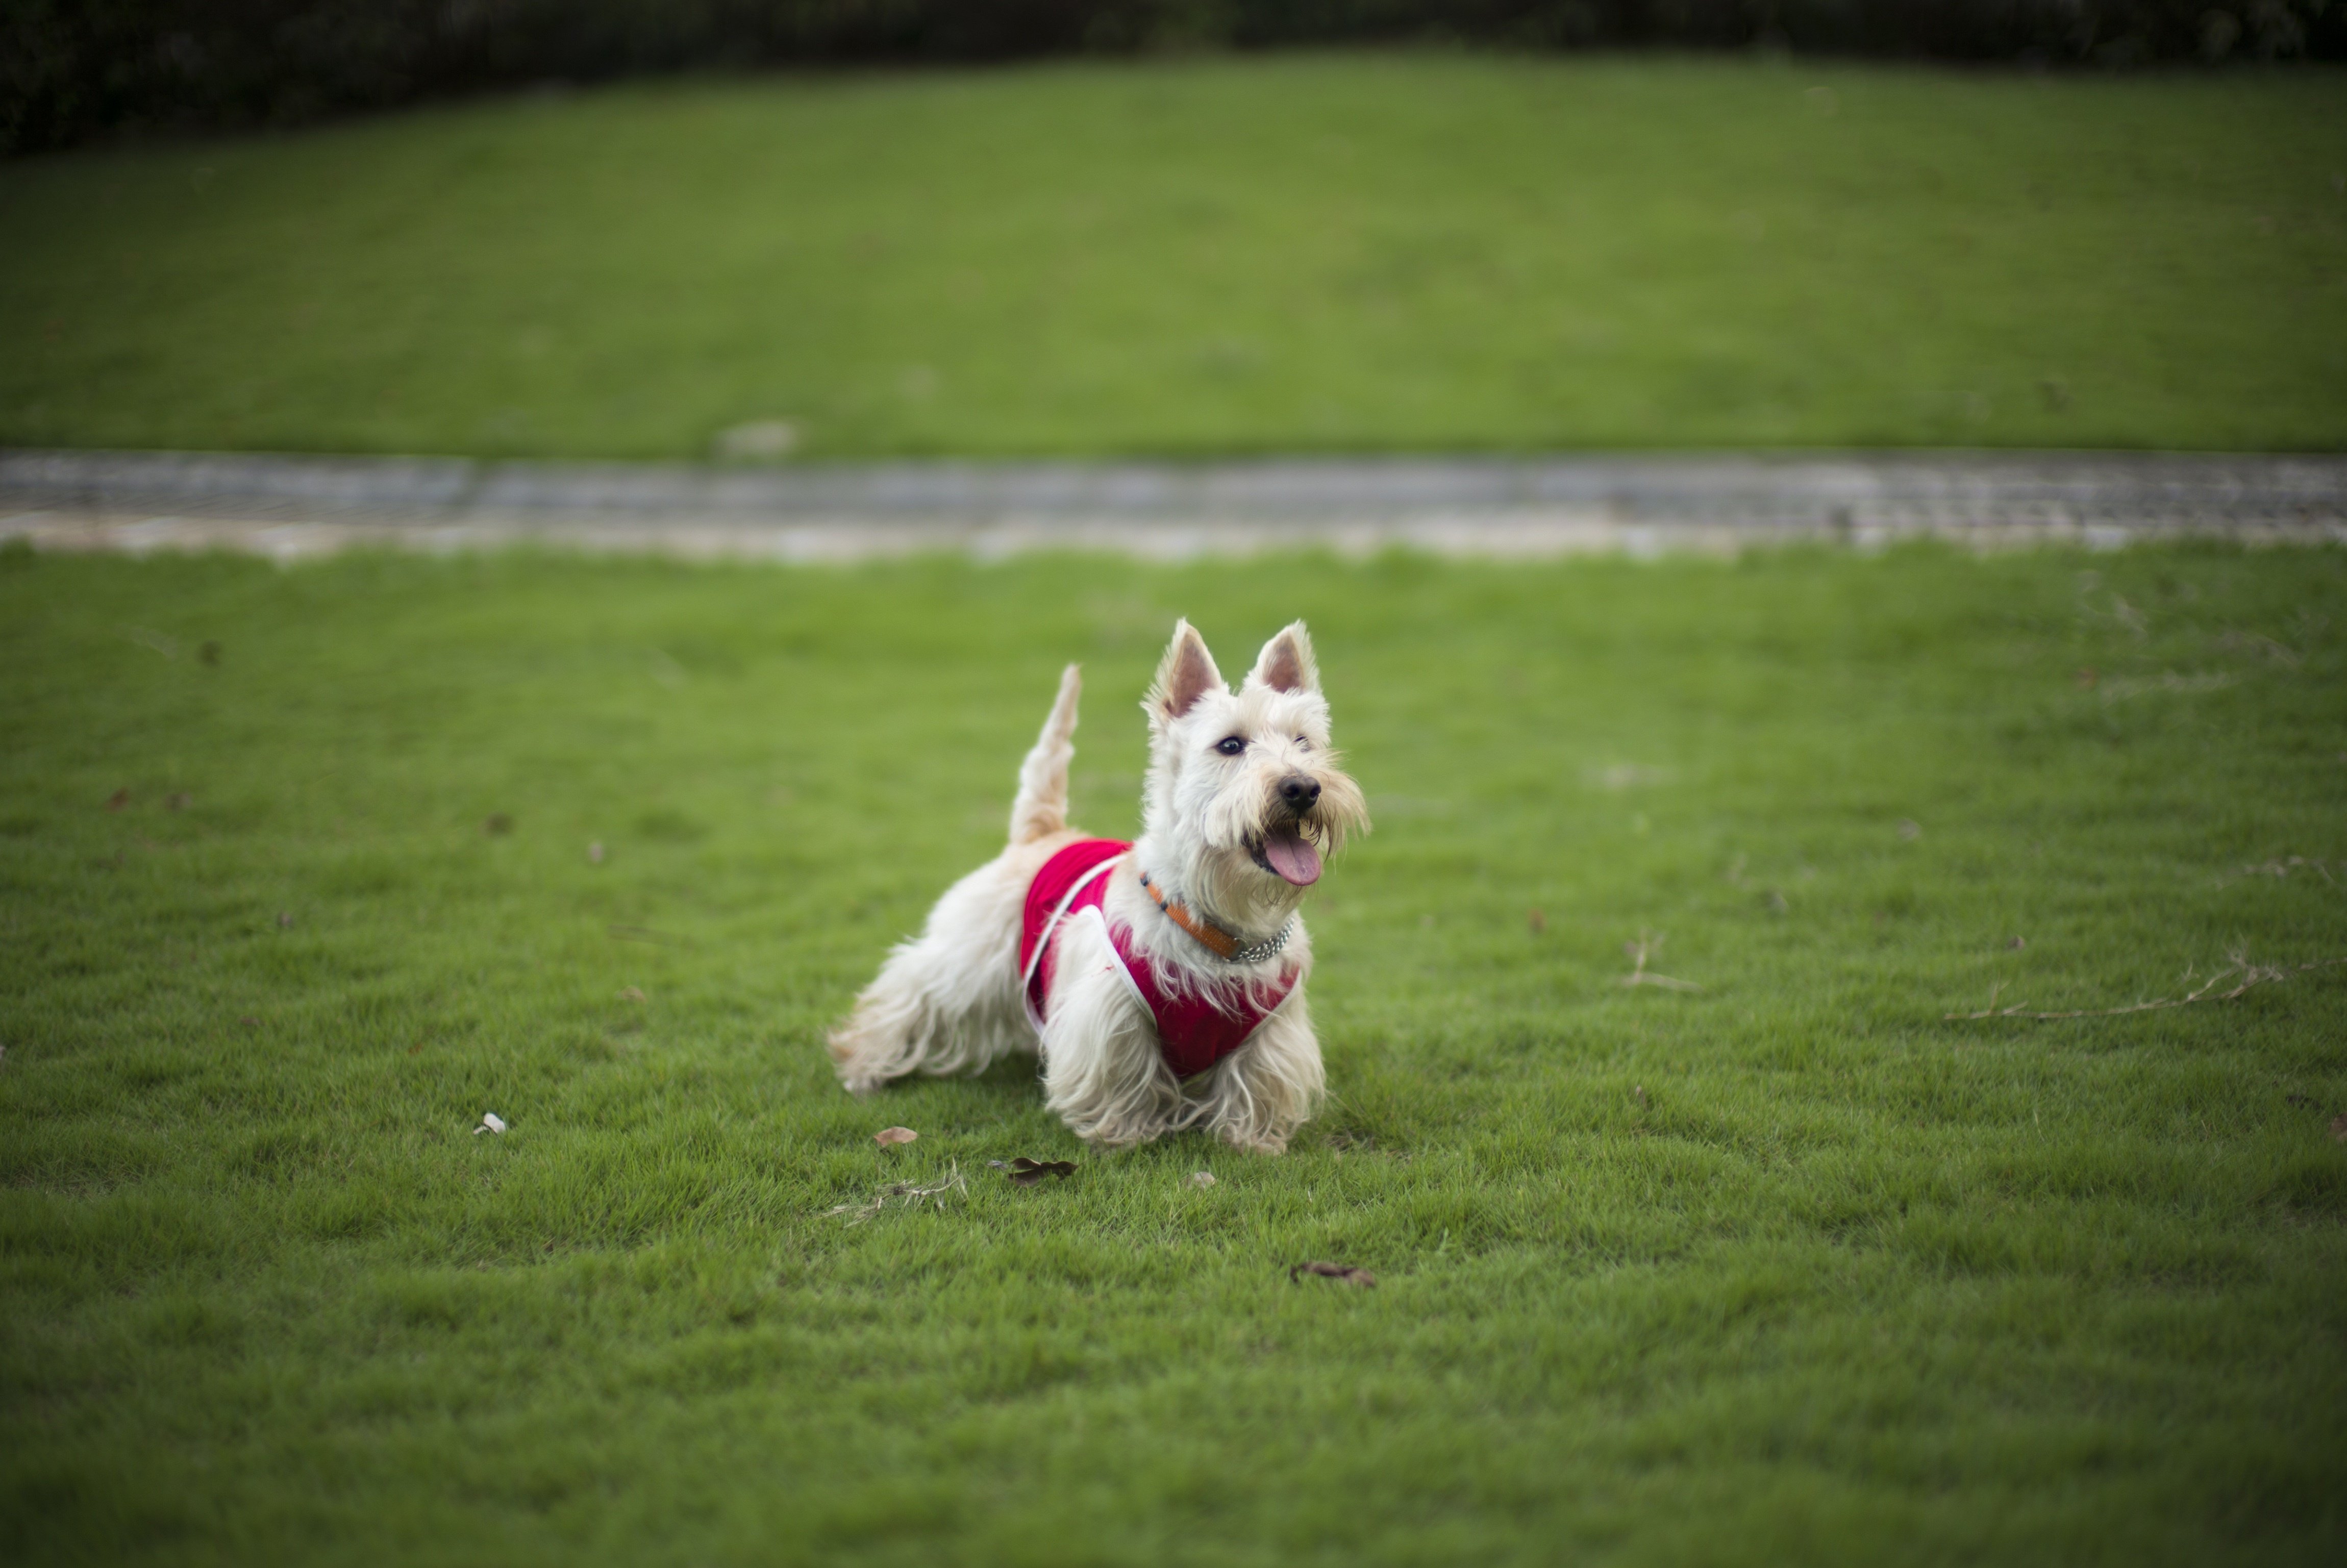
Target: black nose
[[1299, 793]]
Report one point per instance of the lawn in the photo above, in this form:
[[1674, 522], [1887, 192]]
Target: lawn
[[295, 885], [1300, 253]]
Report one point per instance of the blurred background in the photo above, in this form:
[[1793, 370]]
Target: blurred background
[[73, 70], [759, 231]]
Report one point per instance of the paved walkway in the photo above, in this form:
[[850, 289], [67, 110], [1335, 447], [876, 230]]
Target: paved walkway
[[290, 507]]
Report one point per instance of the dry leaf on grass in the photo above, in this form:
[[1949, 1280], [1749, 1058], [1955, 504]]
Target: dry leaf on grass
[[1025, 1173], [889, 1137], [1202, 1179], [631, 994], [2339, 1128], [496, 824], [1536, 921], [119, 799], [1345, 1272]]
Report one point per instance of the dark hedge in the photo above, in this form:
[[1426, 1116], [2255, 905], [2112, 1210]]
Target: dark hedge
[[74, 70]]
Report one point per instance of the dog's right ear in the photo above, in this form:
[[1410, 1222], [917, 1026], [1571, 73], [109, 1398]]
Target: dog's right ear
[[1186, 673]]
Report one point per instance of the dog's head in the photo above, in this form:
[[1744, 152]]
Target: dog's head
[[1245, 790]]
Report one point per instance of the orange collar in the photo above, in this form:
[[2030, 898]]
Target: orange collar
[[1221, 943]]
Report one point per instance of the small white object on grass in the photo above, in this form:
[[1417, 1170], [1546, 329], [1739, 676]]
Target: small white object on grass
[[490, 1122], [767, 438], [1202, 1179], [887, 1135]]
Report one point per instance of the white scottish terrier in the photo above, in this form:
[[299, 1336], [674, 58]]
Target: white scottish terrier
[[1162, 982]]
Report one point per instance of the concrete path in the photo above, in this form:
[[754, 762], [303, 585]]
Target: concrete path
[[290, 507]]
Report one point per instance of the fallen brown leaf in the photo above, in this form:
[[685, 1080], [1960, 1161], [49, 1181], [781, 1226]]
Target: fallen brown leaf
[[1345, 1272], [496, 824], [631, 994], [2339, 1128], [1026, 1173], [1537, 921], [2017, 944], [119, 799], [889, 1137]]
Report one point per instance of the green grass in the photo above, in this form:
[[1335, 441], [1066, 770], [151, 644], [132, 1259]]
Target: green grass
[[1784, 1269], [1300, 253]]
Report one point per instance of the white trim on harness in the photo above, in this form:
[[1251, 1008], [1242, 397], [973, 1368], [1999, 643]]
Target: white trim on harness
[[1050, 928], [1124, 970]]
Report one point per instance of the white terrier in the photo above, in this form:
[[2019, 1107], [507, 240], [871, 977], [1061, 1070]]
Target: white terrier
[[1162, 981]]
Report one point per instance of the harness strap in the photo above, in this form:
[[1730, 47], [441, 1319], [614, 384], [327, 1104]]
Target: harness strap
[[1043, 937]]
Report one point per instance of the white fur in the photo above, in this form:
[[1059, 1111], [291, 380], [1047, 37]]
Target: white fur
[[948, 1000]]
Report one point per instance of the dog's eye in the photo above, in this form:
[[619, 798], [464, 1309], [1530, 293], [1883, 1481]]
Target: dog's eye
[[1304, 744], [1230, 745]]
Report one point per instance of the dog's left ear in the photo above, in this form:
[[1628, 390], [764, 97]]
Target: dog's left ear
[[1286, 662]]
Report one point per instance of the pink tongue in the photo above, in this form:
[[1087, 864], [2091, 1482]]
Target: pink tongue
[[1292, 855]]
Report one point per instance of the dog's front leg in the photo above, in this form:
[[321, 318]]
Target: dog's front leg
[[1103, 1073], [1256, 1097]]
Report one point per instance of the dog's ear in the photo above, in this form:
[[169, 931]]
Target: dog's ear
[[1186, 673], [1286, 662]]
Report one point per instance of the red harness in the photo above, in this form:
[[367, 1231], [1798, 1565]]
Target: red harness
[[1193, 1031]]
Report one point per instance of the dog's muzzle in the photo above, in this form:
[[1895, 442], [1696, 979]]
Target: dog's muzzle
[[1284, 850]]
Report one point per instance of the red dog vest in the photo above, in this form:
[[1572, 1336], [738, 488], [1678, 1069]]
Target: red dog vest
[[1193, 1032]]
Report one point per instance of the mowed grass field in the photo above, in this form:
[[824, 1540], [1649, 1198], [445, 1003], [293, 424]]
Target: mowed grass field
[[1313, 253], [295, 885]]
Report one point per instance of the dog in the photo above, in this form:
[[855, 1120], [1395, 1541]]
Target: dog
[[1161, 981]]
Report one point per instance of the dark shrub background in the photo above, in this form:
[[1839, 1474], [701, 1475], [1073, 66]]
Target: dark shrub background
[[74, 70]]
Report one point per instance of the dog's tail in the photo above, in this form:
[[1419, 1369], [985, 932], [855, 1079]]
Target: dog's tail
[[1041, 809]]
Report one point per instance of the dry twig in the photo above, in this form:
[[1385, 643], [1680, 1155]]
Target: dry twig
[[1640, 950], [2280, 869], [2250, 975], [912, 1196]]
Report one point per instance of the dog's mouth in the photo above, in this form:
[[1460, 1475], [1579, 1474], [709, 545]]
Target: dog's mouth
[[1287, 855]]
